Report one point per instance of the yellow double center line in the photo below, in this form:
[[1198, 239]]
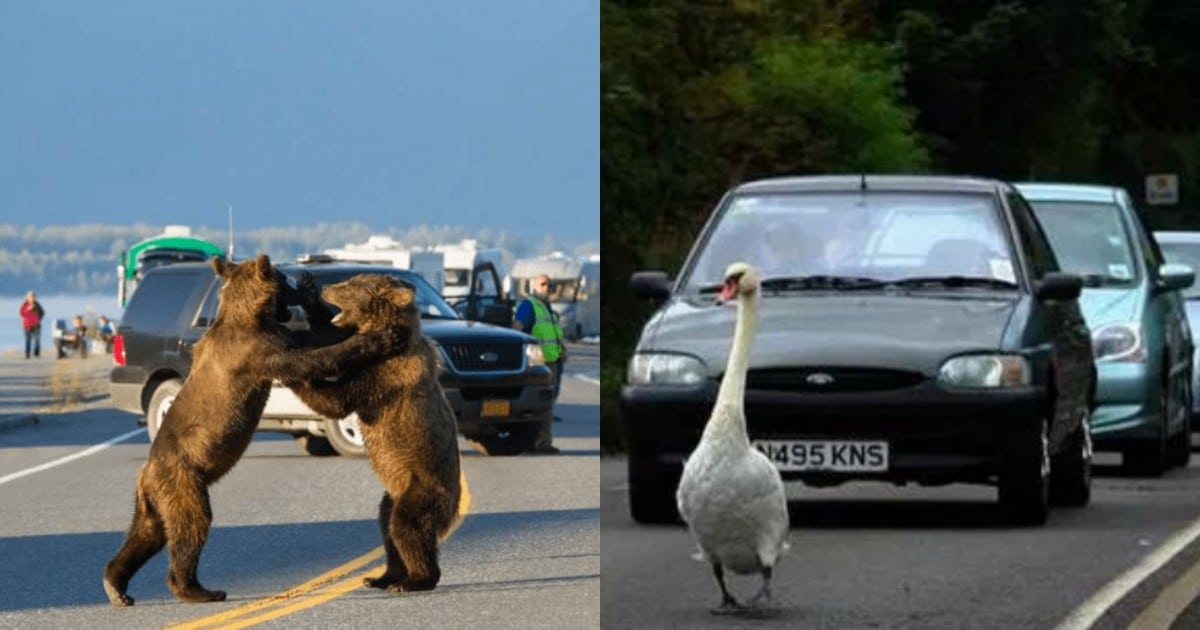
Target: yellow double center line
[[324, 587]]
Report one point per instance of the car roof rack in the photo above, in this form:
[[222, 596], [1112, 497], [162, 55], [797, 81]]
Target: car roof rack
[[314, 258]]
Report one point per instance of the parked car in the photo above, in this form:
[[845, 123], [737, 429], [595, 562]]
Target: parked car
[[1142, 342], [494, 377], [922, 319], [1184, 248]]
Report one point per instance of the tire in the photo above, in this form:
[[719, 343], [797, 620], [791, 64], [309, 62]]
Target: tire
[[1071, 470], [652, 498], [1149, 458], [160, 403], [345, 436], [1024, 485], [514, 439], [315, 445], [1180, 445]]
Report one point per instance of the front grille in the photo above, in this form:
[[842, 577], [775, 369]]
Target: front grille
[[819, 380], [484, 357]]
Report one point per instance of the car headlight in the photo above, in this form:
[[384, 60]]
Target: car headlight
[[985, 370], [665, 369], [1119, 342], [533, 354]]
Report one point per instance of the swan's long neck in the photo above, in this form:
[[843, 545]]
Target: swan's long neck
[[730, 420]]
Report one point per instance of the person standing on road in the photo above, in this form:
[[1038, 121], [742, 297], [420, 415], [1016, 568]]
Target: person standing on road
[[535, 316], [31, 320]]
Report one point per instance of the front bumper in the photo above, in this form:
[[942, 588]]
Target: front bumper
[[1126, 405], [934, 435]]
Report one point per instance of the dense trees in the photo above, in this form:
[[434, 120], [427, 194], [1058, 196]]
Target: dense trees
[[699, 94]]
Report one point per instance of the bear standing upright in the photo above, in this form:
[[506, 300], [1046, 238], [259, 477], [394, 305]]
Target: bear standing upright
[[408, 428], [213, 419]]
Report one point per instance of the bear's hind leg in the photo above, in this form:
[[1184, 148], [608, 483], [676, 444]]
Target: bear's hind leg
[[146, 537], [396, 572], [413, 530], [187, 527]]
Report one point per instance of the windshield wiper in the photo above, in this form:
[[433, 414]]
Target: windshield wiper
[[817, 282], [953, 282], [1101, 279]]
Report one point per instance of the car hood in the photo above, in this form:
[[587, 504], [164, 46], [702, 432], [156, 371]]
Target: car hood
[[1107, 305], [458, 330], [906, 333]]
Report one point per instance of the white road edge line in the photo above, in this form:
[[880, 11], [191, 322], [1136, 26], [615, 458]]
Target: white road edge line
[[62, 460], [587, 379], [1087, 613]]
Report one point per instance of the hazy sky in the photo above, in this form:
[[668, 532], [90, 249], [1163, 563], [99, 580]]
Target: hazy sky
[[394, 113]]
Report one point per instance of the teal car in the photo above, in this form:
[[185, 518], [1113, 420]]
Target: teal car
[[1140, 334]]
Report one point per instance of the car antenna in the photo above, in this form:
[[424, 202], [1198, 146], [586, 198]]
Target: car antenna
[[230, 255], [863, 181]]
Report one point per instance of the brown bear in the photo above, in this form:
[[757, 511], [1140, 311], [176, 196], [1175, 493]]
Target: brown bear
[[213, 419], [408, 428]]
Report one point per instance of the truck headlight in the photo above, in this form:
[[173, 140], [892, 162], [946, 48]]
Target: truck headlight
[[533, 354], [666, 369], [1120, 342], [985, 370]]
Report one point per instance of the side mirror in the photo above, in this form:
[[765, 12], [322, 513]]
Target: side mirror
[[1175, 277], [650, 284], [1059, 286]]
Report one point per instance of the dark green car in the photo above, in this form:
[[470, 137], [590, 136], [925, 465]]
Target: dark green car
[[1140, 332]]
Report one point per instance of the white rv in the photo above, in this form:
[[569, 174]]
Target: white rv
[[574, 290], [460, 260], [427, 264]]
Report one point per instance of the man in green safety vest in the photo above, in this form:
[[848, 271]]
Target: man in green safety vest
[[534, 316]]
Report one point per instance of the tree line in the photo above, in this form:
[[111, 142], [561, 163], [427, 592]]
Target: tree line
[[697, 95]]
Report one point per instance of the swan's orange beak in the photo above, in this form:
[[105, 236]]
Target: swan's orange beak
[[728, 291]]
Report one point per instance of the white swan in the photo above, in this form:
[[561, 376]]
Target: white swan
[[731, 496]]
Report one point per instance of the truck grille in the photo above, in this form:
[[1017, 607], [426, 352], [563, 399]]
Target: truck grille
[[829, 380], [484, 357]]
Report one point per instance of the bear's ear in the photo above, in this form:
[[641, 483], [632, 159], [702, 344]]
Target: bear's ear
[[221, 266], [263, 264], [401, 296]]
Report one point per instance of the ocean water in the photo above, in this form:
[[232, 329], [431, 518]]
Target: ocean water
[[12, 336]]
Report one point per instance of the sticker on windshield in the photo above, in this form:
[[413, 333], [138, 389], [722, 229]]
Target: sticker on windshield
[[1119, 271], [1002, 269]]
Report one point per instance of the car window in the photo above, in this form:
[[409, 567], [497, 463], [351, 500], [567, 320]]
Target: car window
[[881, 235], [1089, 239], [160, 293], [1187, 254]]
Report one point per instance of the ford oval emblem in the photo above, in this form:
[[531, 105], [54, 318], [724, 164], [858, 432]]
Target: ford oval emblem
[[819, 379], [490, 357]]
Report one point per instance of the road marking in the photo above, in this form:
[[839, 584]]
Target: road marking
[[1171, 602], [331, 575], [1087, 613], [69, 458], [316, 599], [586, 378]]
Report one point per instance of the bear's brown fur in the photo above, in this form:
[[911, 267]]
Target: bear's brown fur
[[213, 419], [408, 428]]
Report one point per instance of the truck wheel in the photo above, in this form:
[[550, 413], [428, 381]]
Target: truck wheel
[[345, 436], [513, 439], [160, 403], [315, 445]]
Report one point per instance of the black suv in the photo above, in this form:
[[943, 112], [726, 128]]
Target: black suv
[[493, 376]]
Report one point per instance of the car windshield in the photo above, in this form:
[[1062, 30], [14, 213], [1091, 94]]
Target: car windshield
[[844, 240], [1089, 239], [1186, 254], [429, 302]]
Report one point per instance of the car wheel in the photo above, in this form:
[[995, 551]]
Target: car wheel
[[1071, 470], [513, 439], [1180, 445], [345, 436], [1149, 458], [652, 497], [315, 445], [1024, 484], [160, 403]]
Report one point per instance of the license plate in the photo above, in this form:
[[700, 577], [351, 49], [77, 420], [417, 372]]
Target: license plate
[[825, 455], [495, 408]]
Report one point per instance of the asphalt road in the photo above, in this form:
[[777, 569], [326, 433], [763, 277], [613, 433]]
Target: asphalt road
[[876, 556], [293, 534]]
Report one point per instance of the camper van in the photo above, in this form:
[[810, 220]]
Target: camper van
[[571, 290], [461, 259], [383, 249], [175, 244]]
